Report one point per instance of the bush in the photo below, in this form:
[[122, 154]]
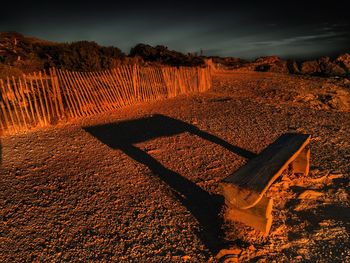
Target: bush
[[81, 56], [163, 55]]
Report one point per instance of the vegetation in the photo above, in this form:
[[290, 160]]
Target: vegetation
[[163, 55], [22, 54], [30, 54], [229, 62], [81, 56]]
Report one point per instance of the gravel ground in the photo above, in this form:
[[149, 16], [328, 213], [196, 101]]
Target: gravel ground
[[141, 184]]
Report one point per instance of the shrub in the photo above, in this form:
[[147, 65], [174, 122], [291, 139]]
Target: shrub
[[81, 56], [163, 55]]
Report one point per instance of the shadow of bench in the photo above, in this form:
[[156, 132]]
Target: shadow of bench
[[244, 190], [204, 206]]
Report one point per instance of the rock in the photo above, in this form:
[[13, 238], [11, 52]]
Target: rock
[[329, 68], [251, 248], [228, 63], [262, 68], [268, 60], [279, 67], [332, 69], [344, 62], [186, 258], [346, 82], [224, 252], [231, 260], [310, 67], [318, 179], [333, 176], [324, 60], [310, 194], [292, 67], [271, 64], [335, 98], [326, 67]]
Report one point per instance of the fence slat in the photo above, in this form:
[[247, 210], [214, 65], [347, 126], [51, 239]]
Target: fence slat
[[104, 100], [94, 100], [105, 89], [18, 101], [123, 97], [58, 92], [25, 93], [77, 96], [41, 103], [88, 105], [110, 89], [74, 113], [125, 80], [5, 123], [12, 94], [36, 106], [116, 88], [46, 103], [119, 77], [49, 96], [93, 88], [55, 102]]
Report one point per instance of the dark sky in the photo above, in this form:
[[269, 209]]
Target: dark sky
[[246, 29]]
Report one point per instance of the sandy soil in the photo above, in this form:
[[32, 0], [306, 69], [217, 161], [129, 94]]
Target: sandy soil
[[141, 184]]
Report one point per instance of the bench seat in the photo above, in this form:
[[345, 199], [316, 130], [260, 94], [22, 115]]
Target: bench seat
[[244, 190]]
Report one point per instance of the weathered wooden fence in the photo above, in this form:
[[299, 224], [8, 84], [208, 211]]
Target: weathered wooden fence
[[46, 98]]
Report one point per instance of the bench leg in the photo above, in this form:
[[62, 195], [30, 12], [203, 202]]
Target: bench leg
[[301, 164], [259, 217]]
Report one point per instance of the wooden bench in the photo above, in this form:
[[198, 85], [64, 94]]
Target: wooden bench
[[244, 190]]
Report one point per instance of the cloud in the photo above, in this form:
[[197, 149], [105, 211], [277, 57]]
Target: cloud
[[297, 39]]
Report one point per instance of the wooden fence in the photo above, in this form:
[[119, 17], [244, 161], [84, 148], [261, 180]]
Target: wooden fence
[[46, 98]]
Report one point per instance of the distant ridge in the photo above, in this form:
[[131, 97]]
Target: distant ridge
[[24, 54]]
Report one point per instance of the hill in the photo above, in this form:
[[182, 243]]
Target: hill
[[20, 54], [26, 54]]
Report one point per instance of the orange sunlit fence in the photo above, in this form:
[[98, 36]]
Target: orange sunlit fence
[[46, 98]]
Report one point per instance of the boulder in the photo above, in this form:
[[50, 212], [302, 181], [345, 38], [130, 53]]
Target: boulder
[[292, 67], [268, 60], [271, 64], [229, 62], [344, 62], [310, 67], [323, 60], [329, 68], [262, 68], [332, 69], [279, 67]]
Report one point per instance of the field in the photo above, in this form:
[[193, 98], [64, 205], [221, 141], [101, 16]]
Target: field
[[140, 184]]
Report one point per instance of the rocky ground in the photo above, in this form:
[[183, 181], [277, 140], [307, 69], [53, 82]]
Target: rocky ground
[[115, 189], [323, 66]]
